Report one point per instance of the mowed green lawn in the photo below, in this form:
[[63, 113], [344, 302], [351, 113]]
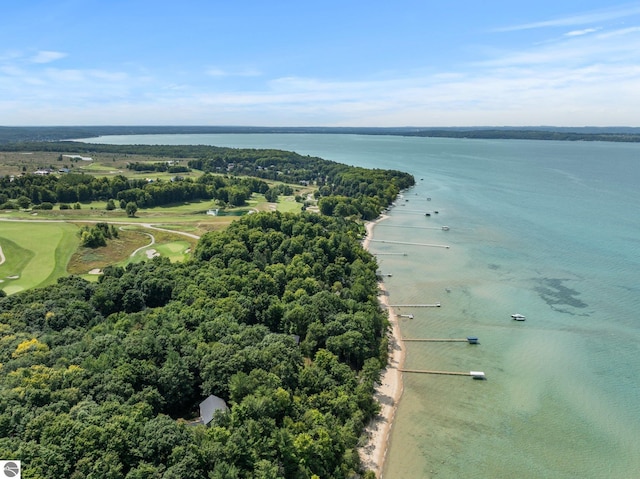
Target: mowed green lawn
[[36, 254], [174, 250]]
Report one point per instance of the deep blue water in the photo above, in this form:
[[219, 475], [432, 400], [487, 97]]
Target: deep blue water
[[547, 229]]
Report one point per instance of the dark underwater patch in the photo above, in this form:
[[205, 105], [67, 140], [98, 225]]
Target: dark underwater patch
[[555, 293]]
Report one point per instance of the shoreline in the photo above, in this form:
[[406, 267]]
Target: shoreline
[[389, 391]]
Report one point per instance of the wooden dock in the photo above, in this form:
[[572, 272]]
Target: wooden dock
[[428, 305], [412, 227], [413, 244], [408, 210], [473, 374], [469, 340]]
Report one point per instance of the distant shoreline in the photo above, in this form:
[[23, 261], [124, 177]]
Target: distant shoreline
[[12, 135]]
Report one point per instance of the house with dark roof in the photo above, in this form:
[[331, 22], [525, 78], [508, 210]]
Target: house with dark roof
[[209, 407]]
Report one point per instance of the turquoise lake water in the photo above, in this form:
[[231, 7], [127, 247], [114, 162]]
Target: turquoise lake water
[[547, 229]]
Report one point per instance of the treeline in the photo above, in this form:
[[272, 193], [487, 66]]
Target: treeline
[[278, 315], [28, 190], [56, 133], [360, 192], [162, 166], [626, 135]]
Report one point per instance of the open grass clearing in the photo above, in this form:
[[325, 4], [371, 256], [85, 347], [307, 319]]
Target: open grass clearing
[[36, 254], [15, 259], [288, 204]]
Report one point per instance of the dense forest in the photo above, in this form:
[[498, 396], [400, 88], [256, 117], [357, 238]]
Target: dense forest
[[233, 175], [277, 315]]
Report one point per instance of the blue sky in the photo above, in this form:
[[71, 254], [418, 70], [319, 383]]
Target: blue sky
[[320, 63]]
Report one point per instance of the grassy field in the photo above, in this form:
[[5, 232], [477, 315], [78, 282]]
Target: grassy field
[[174, 250], [99, 164], [41, 246], [36, 253]]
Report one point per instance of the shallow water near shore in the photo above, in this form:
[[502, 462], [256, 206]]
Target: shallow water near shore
[[546, 229]]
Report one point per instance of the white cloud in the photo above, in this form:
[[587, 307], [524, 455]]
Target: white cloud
[[515, 95], [47, 56], [576, 33], [573, 51]]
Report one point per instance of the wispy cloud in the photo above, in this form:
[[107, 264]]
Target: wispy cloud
[[620, 32], [10, 55], [242, 72], [549, 94], [47, 56], [571, 51], [577, 33], [597, 16]]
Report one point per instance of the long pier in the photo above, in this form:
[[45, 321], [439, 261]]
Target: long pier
[[408, 210], [437, 340], [433, 305], [413, 227], [413, 244], [473, 374], [390, 254]]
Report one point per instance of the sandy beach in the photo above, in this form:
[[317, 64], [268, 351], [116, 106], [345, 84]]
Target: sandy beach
[[389, 391]]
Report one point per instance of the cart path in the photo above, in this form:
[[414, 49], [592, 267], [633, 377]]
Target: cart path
[[126, 223], [153, 241]]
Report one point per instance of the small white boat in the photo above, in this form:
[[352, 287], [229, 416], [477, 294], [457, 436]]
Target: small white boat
[[518, 317]]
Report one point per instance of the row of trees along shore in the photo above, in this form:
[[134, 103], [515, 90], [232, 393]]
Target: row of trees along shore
[[278, 315]]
